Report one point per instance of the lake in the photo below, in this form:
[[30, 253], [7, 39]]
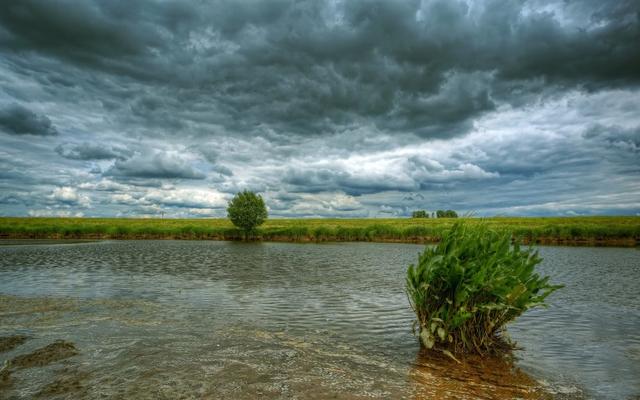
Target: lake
[[204, 319]]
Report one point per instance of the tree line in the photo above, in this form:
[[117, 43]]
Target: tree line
[[435, 214]]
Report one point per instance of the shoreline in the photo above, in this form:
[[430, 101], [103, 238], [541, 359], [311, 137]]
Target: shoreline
[[558, 231], [538, 241]]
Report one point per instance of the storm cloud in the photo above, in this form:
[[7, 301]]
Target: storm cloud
[[160, 165], [18, 120], [336, 108]]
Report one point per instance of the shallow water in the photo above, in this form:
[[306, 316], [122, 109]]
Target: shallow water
[[172, 319]]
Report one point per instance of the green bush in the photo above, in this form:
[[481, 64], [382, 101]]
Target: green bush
[[468, 287]]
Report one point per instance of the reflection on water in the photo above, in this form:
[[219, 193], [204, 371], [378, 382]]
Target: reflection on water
[[439, 377], [172, 319]]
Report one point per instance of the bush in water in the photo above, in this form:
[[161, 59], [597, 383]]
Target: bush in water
[[465, 289]]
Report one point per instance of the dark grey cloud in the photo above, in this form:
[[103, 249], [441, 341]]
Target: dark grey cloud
[[88, 151], [154, 165], [627, 140], [18, 120], [426, 68], [95, 34], [212, 155], [16, 198], [330, 180]]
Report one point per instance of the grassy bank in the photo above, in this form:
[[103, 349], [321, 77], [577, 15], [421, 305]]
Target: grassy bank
[[620, 231]]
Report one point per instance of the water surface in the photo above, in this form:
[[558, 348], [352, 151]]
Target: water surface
[[200, 319]]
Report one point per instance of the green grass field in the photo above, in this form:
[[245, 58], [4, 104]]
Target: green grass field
[[556, 230]]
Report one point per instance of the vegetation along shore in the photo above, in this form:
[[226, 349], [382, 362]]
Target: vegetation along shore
[[594, 231]]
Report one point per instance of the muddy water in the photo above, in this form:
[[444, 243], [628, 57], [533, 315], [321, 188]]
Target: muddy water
[[170, 319]]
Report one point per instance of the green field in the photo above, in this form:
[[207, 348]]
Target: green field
[[623, 231]]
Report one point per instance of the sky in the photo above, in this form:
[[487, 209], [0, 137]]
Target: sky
[[356, 108]]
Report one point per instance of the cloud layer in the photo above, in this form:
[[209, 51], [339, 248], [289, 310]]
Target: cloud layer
[[337, 108]]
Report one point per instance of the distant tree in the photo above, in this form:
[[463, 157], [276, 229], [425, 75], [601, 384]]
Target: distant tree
[[446, 214], [247, 211], [420, 214]]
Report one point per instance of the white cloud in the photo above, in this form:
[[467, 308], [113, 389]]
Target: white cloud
[[70, 196], [125, 198], [104, 185], [54, 213], [183, 197]]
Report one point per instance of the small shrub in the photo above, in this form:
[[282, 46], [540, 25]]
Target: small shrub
[[468, 287]]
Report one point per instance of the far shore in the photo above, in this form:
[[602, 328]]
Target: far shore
[[573, 231]]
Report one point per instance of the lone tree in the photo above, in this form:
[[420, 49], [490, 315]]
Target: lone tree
[[247, 210]]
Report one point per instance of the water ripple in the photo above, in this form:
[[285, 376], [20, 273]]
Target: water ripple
[[239, 319]]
